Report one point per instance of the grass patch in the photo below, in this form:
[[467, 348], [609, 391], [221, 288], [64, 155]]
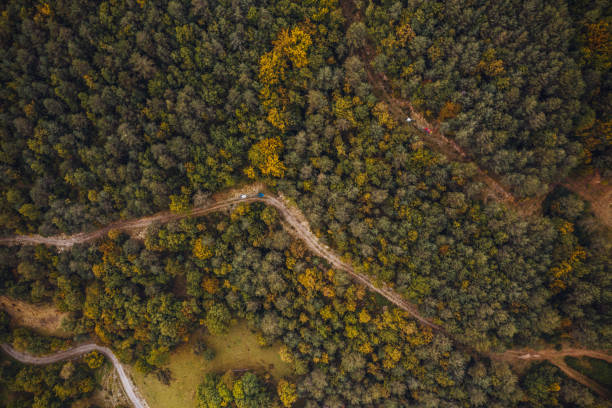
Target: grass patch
[[43, 318], [236, 350], [598, 370]]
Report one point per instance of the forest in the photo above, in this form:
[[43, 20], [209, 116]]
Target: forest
[[524, 86], [335, 334], [119, 109]]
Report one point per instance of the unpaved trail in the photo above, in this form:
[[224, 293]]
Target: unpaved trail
[[449, 148], [399, 108], [581, 378], [296, 224], [548, 354], [128, 386], [591, 188], [67, 241], [294, 221], [596, 190], [556, 357]]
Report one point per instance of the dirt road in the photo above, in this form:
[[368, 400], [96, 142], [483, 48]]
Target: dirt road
[[67, 241], [596, 190], [128, 386], [401, 109], [547, 354], [294, 221], [297, 225], [556, 357]]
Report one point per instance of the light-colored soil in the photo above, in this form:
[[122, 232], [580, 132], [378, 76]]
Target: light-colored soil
[[548, 354], [248, 189], [236, 350], [44, 318]]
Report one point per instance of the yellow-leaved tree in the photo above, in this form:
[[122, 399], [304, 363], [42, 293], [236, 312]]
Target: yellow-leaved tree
[[290, 47], [264, 156], [287, 392]]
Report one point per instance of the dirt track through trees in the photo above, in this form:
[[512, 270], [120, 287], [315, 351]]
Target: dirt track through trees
[[293, 220], [436, 139], [593, 190], [129, 388], [556, 357], [296, 224], [449, 148]]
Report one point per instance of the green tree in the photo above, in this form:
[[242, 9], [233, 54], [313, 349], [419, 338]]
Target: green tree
[[218, 318]]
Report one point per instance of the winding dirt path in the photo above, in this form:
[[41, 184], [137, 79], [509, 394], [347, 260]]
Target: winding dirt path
[[556, 357], [547, 354], [67, 241], [449, 147], [591, 188], [296, 225], [401, 109], [581, 378], [294, 222], [436, 140], [129, 388], [596, 190]]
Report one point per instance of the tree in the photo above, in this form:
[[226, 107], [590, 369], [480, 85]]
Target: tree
[[264, 155], [249, 393], [357, 35], [208, 396], [94, 359], [218, 318], [287, 392]]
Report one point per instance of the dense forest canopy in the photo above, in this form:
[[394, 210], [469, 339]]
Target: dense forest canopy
[[344, 344], [524, 86], [119, 109]]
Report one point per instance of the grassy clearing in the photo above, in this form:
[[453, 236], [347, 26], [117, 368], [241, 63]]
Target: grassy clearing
[[44, 319], [235, 350], [598, 370]]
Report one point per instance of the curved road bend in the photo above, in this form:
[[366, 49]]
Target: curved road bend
[[128, 386], [299, 229], [556, 357]]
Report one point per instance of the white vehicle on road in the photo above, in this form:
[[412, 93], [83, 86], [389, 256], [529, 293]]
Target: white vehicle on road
[[243, 196]]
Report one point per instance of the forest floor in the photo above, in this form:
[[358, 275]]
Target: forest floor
[[238, 350], [44, 318]]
